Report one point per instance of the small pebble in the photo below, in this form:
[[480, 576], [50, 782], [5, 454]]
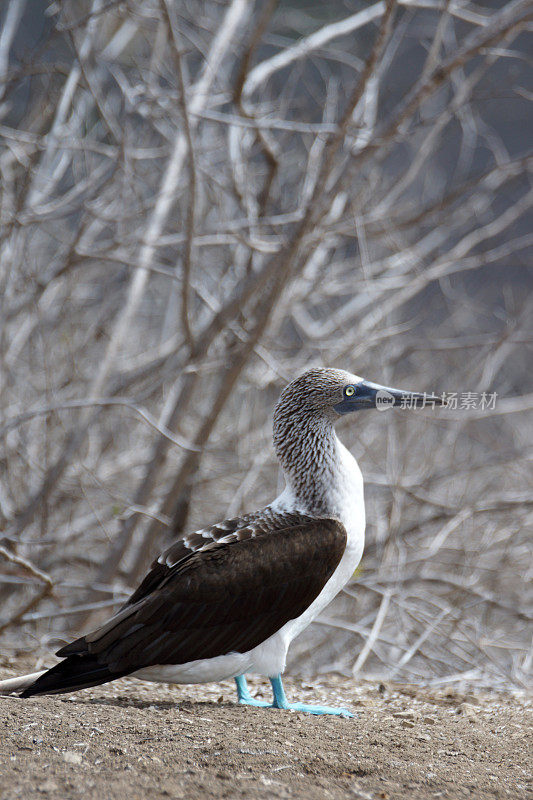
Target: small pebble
[[48, 786], [72, 758]]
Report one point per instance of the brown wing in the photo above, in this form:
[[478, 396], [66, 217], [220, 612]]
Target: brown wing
[[228, 596], [237, 528]]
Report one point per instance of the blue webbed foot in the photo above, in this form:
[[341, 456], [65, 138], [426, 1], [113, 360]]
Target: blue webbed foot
[[338, 712], [244, 696], [280, 700]]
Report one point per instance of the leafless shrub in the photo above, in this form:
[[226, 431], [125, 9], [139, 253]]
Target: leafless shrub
[[198, 201]]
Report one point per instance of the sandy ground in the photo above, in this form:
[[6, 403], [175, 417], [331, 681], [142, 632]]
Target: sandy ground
[[132, 740]]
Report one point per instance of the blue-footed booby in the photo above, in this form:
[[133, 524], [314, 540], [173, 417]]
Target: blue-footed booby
[[228, 599]]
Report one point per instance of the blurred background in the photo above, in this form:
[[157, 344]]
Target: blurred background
[[200, 200]]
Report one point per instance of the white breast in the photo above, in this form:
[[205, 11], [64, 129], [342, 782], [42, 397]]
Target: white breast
[[347, 499], [346, 502]]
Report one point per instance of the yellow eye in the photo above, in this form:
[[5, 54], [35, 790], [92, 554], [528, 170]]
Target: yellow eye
[[349, 391]]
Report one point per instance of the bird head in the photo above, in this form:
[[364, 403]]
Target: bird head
[[334, 392]]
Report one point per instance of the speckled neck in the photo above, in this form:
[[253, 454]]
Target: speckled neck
[[307, 449]]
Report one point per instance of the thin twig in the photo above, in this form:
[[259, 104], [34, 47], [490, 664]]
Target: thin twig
[[102, 402]]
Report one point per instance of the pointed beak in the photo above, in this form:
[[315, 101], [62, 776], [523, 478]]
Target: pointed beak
[[372, 395]]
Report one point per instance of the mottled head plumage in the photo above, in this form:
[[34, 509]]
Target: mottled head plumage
[[317, 390]]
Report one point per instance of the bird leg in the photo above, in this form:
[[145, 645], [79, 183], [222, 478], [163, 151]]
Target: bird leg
[[280, 699], [244, 696]]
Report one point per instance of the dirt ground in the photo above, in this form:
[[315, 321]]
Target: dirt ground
[[131, 740]]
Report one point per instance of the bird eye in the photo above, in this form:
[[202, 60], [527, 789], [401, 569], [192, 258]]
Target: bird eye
[[349, 391]]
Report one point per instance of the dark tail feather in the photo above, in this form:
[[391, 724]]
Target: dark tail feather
[[75, 672]]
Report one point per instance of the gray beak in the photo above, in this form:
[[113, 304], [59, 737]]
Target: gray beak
[[372, 395]]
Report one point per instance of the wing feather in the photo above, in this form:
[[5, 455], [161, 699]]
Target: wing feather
[[221, 597]]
